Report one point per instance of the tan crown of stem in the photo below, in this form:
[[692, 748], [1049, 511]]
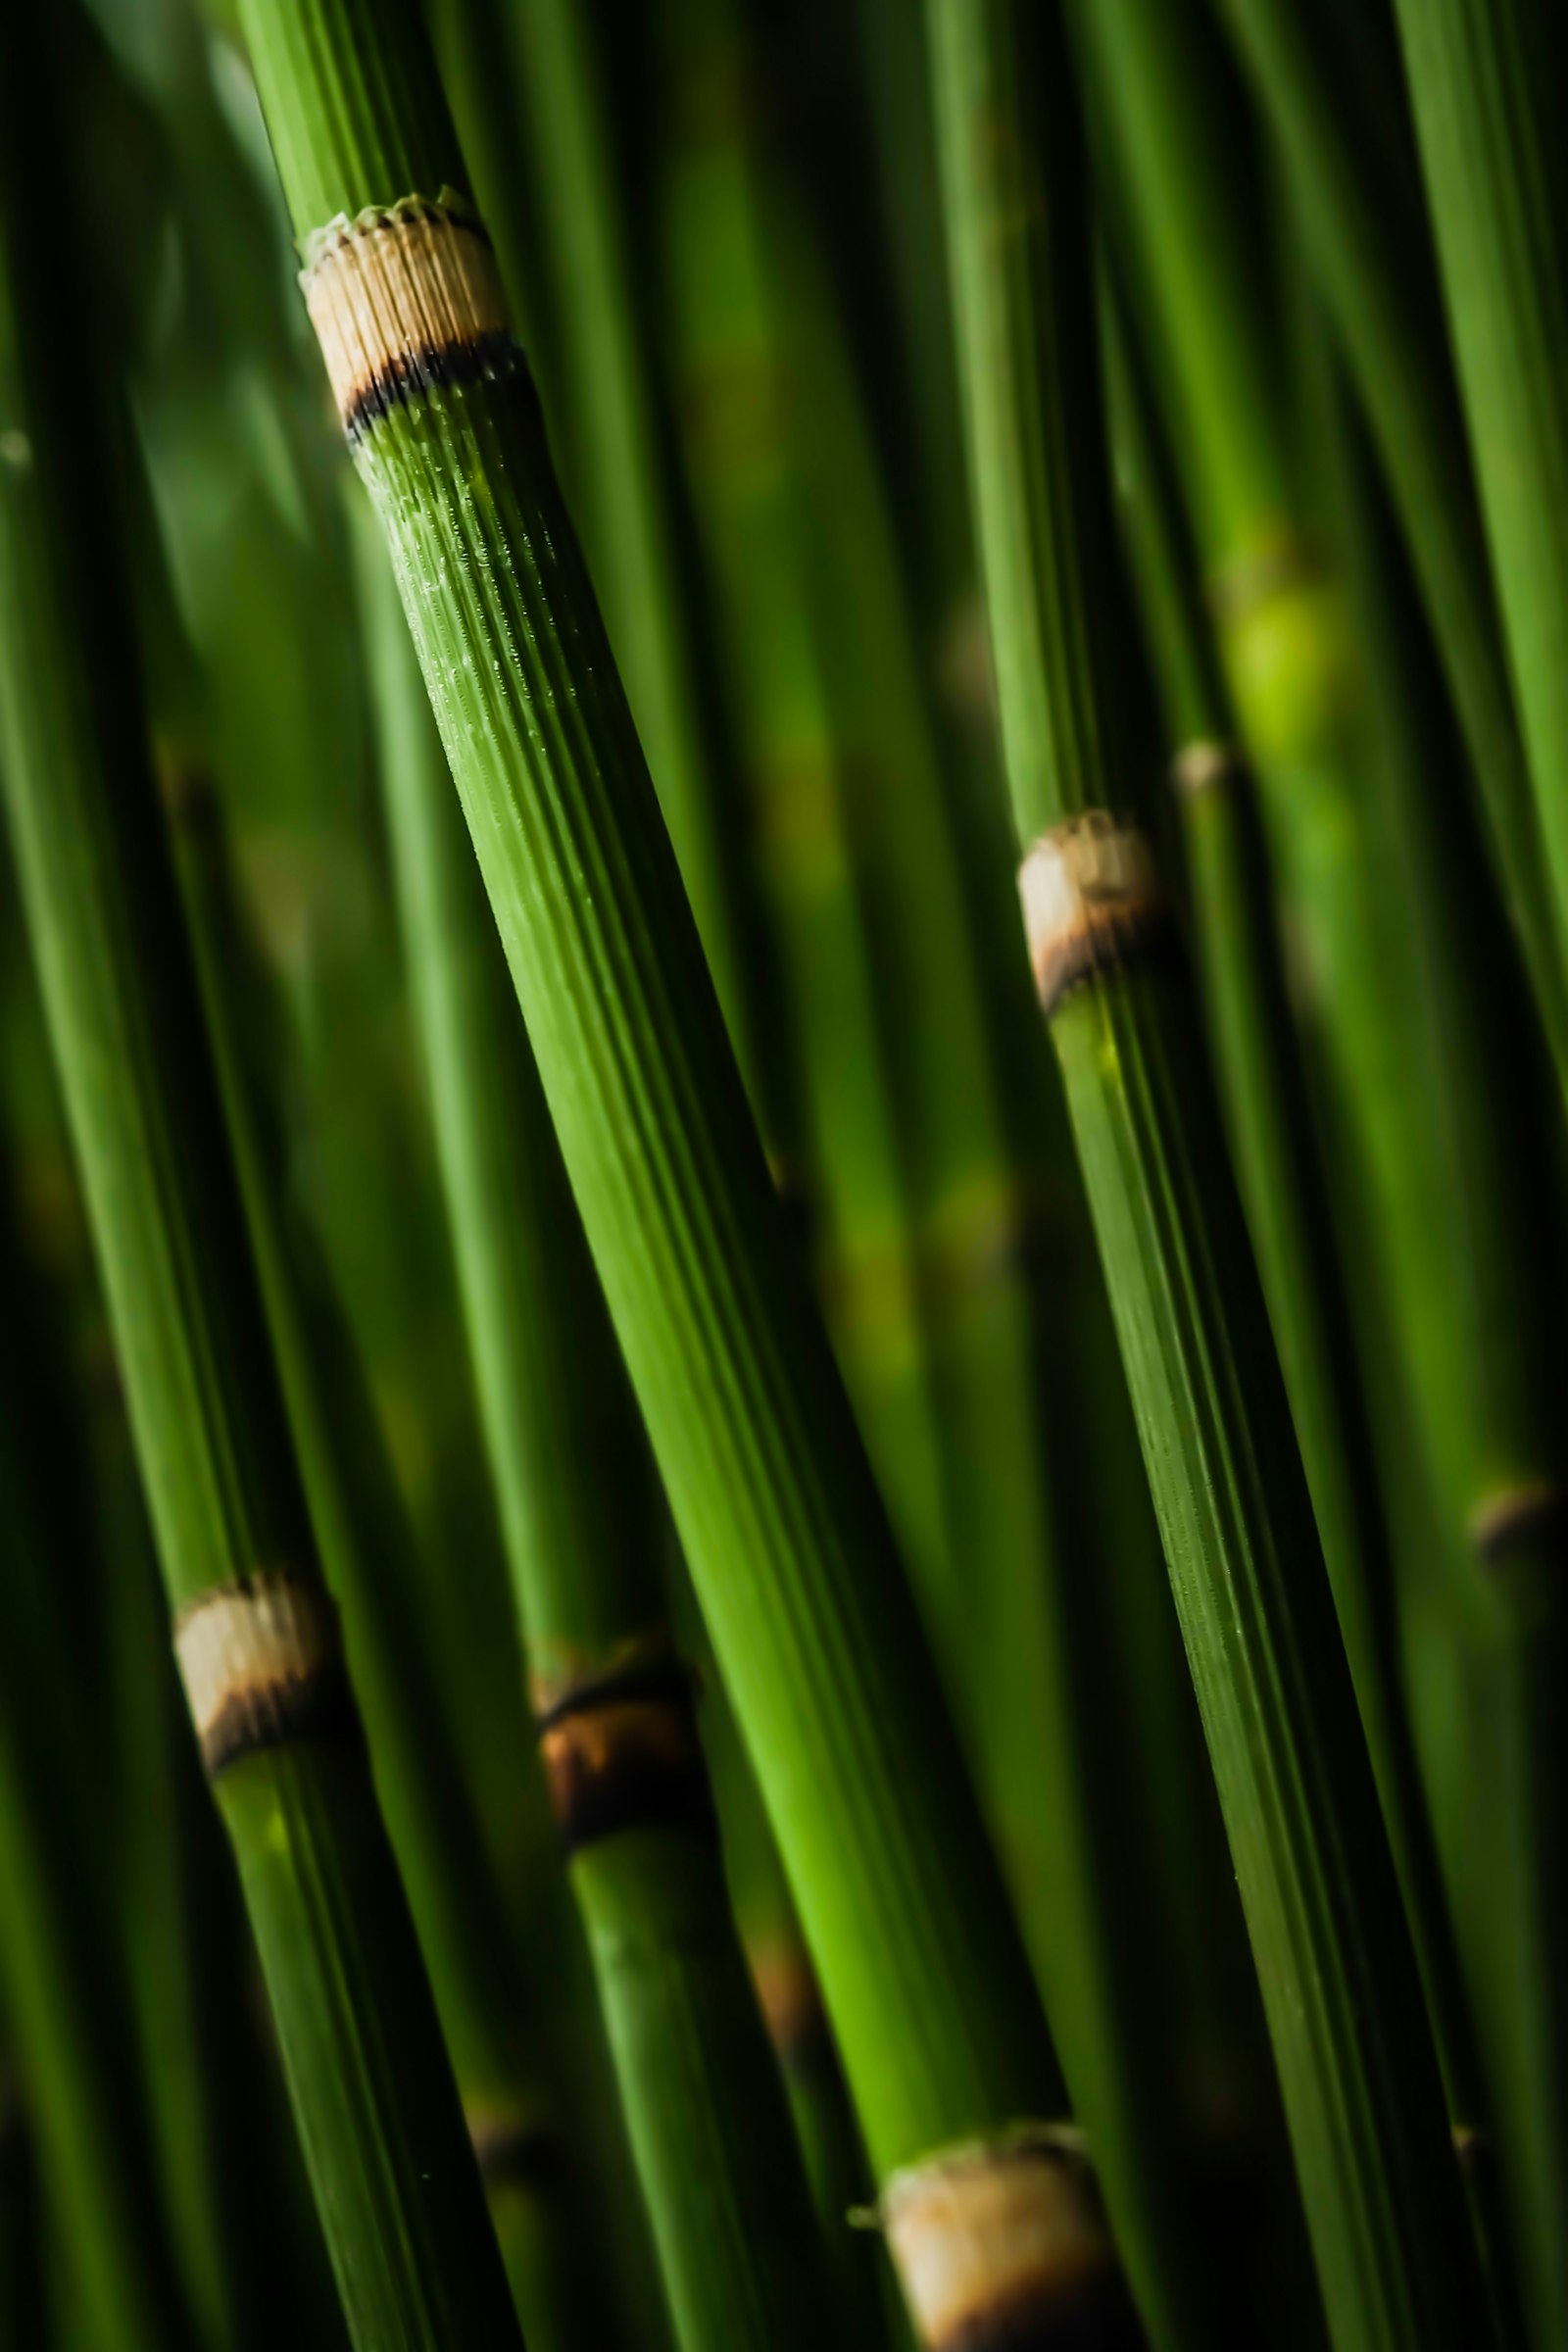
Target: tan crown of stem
[[400, 297], [1091, 901], [994, 2236], [262, 1663]]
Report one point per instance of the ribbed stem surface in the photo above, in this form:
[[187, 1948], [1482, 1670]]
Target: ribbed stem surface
[[367, 1554], [720, 2168], [1487, 78], [787, 1541], [1322, 79], [372, 2088], [1360, 2084]]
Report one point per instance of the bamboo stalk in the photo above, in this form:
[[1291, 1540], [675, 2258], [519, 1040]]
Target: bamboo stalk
[[1484, 82], [632, 527], [366, 1550], [1330, 91], [923, 1976], [1190, 215], [247, 2237], [1361, 2089], [726, 244], [1474, 1313], [1276, 1150], [370, 2085], [545, 94], [1027, 1615], [720, 2176]]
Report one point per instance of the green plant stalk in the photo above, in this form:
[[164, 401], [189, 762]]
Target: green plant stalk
[[1189, 211], [1484, 83], [216, 2107], [1283, 639], [864, 2292], [630, 527], [206, 2090], [720, 2174], [1482, 1366], [1333, 102], [788, 1544], [67, 2003], [1034, 1652], [247, 489], [1276, 1152], [1361, 2089], [723, 242], [366, 1549], [624, 503], [370, 2084], [1079, 1429]]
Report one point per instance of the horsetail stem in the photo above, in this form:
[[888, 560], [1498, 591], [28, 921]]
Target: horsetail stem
[[254, 1633], [367, 1555], [720, 2174], [788, 1545], [1330, 91], [1361, 2089]]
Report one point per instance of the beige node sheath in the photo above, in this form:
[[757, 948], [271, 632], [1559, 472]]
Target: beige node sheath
[[1510, 1524], [991, 2240], [1205, 767], [263, 1664], [1091, 901], [620, 1746], [400, 297]]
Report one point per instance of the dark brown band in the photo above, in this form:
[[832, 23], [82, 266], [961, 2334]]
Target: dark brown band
[[1530, 1524], [492, 358], [261, 1662], [1092, 905], [316, 1706], [1112, 940], [621, 1752], [1098, 2317]]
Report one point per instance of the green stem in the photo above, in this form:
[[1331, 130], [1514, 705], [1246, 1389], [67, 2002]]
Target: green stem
[[1188, 214], [1332, 98], [923, 1975], [1361, 2089], [370, 2081], [1486, 78], [368, 1553], [714, 2153], [1276, 1150], [1473, 1292], [729, 254]]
